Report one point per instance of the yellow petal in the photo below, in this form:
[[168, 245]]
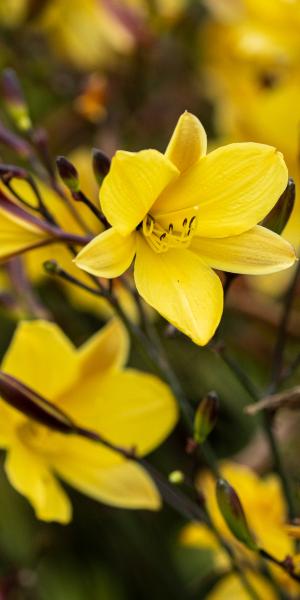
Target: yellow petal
[[132, 185], [255, 252], [107, 255], [18, 235], [41, 356], [234, 186], [231, 587], [31, 477], [106, 350], [188, 142], [181, 288], [129, 408], [198, 535], [123, 483]]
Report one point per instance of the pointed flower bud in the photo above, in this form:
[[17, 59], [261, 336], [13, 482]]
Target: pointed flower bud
[[14, 100], [30, 403], [101, 165], [233, 514], [277, 219], [206, 417], [176, 477], [68, 173]]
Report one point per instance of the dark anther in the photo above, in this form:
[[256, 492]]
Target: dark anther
[[184, 223], [268, 80], [162, 237], [171, 228], [192, 221]]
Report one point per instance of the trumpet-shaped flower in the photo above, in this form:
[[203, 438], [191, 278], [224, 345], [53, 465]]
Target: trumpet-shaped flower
[[184, 213], [90, 385], [266, 513]]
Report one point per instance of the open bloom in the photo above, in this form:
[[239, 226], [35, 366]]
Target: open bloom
[[90, 385], [266, 513], [184, 213]]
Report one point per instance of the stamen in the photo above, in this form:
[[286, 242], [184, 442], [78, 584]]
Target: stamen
[[161, 240], [148, 225]]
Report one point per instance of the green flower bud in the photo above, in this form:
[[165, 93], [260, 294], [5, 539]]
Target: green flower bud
[[14, 100], [176, 477], [68, 173], [206, 417], [233, 514]]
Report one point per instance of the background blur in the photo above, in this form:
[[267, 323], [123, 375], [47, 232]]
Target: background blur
[[117, 74]]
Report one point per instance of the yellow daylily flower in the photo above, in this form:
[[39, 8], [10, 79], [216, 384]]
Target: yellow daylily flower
[[184, 213], [22, 236], [266, 513], [19, 231], [91, 385], [252, 72]]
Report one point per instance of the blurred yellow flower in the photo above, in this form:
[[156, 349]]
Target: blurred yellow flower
[[22, 237], [230, 588], [184, 213], [12, 12], [266, 513], [252, 71], [89, 384]]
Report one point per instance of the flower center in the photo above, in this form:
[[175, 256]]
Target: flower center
[[161, 239]]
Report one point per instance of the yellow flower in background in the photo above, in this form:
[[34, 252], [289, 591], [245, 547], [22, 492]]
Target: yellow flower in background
[[266, 513], [184, 213], [12, 12], [91, 385], [22, 237], [252, 72], [230, 588]]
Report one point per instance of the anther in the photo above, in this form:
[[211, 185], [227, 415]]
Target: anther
[[162, 237], [184, 223]]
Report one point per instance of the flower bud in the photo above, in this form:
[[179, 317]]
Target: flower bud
[[233, 514], [278, 217], [206, 417], [101, 165], [68, 173], [51, 267], [34, 406], [176, 477], [14, 100]]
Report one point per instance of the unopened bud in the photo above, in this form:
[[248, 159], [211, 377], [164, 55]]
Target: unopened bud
[[51, 267], [278, 217], [101, 165], [233, 514], [176, 477], [68, 173], [14, 100], [206, 417], [30, 403]]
